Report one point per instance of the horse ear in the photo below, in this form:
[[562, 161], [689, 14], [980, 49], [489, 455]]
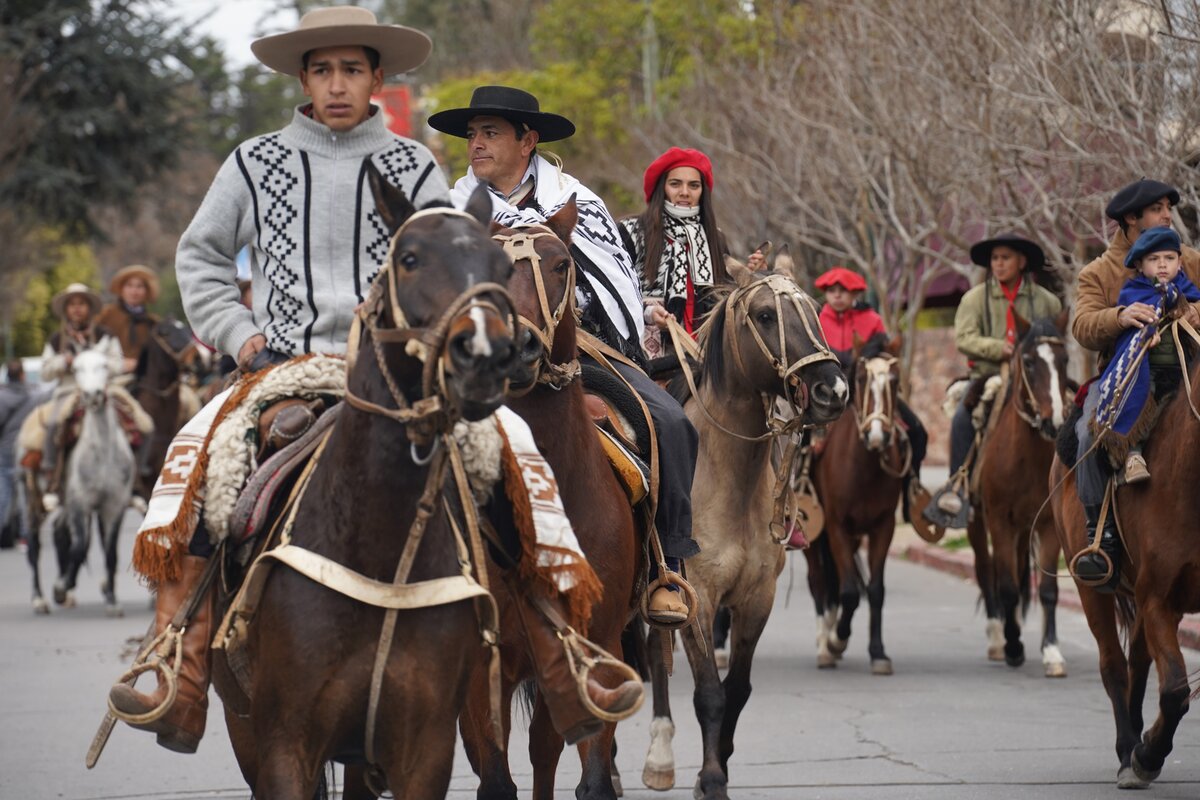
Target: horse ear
[[1022, 324], [479, 204], [740, 273], [563, 221], [784, 263], [894, 347], [1063, 319], [731, 262], [391, 203]]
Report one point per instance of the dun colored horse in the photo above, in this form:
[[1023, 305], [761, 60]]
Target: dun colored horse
[[313, 650], [157, 388], [763, 341], [858, 478], [1160, 583], [1016, 456], [593, 499]]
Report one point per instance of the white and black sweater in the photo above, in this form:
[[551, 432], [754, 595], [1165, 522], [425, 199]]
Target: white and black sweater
[[301, 200]]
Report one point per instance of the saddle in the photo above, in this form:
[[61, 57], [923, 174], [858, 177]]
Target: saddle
[[623, 428]]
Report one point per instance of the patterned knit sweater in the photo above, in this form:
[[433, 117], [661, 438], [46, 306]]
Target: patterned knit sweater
[[301, 200]]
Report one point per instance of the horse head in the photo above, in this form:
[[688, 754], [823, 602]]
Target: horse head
[[773, 334], [543, 293], [1041, 387], [441, 293], [876, 387], [91, 370]]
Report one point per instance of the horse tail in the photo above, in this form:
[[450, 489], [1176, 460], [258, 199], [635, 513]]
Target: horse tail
[[526, 695], [1126, 608], [1026, 588]]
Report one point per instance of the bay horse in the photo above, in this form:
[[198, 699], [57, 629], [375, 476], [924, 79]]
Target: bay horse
[[98, 482], [1160, 569], [158, 388], [438, 307], [1015, 459], [763, 341], [594, 501], [859, 479]]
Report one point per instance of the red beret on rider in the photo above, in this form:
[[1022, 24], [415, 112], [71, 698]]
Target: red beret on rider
[[677, 157], [850, 281]]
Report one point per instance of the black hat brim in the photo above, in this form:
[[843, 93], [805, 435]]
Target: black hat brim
[[550, 127], [1035, 258]]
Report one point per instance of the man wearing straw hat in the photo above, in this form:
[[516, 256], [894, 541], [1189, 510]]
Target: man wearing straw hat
[[128, 317]]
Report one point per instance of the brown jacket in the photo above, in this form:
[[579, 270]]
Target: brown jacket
[[132, 331], [1100, 282]]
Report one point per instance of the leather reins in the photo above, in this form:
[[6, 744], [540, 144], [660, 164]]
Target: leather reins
[[877, 366], [1032, 417]]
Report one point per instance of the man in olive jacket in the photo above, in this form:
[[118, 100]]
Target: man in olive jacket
[[985, 331], [1141, 205]]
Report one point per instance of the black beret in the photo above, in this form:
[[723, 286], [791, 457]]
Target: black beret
[[1137, 195]]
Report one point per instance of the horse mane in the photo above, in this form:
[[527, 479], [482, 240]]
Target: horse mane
[[710, 336]]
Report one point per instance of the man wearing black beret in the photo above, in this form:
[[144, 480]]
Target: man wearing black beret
[[1099, 320]]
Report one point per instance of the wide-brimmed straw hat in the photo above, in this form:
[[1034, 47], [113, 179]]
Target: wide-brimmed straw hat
[[400, 49], [135, 271], [511, 104], [59, 303], [1035, 258]]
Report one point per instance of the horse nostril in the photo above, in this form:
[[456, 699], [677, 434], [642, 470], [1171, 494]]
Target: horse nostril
[[460, 348], [823, 394], [531, 347], [504, 352]]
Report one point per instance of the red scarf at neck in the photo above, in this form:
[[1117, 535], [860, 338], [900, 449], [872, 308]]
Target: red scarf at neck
[[1010, 321]]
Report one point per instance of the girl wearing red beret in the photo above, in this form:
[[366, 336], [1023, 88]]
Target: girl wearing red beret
[[675, 244]]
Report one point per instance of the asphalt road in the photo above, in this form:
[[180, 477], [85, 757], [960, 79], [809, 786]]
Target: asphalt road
[[948, 724]]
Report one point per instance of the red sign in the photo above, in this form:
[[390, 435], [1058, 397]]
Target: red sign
[[396, 103]]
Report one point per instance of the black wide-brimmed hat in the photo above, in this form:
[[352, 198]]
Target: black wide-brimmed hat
[[1137, 195], [1035, 259], [503, 101]]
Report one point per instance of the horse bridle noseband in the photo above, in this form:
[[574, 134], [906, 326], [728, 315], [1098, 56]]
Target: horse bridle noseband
[[434, 413], [885, 416], [519, 246]]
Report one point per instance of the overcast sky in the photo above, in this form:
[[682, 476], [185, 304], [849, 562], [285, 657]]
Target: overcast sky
[[234, 23]]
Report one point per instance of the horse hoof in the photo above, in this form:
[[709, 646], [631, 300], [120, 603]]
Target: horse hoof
[[826, 661], [881, 666], [1147, 775], [618, 789], [717, 793], [70, 601], [1128, 779], [1056, 670], [40, 606], [114, 610], [660, 780], [837, 646], [996, 652], [60, 594], [721, 656]]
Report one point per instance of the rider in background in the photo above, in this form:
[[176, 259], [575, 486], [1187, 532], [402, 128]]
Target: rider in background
[[16, 402], [503, 127], [1100, 320], [127, 317], [846, 321], [985, 328]]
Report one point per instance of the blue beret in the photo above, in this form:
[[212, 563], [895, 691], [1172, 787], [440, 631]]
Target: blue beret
[[1137, 195], [1154, 240]]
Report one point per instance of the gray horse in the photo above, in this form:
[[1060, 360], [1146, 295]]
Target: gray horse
[[98, 481]]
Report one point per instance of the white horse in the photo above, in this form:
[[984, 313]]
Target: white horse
[[98, 480]]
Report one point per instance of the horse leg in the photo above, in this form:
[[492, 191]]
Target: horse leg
[[709, 702], [977, 536], [1161, 632], [1100, 611], [545, 750], [596, 757], [109, 532], [751, 619], [78, 524], [1139, 674], [33, 555], [283, 770], [1006, 566], [488, 761], [1053, 663], [843, 547], [878, 545], [658, 772], [824, 601]]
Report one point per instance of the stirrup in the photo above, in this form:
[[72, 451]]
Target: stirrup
[[168, 644], [942, 519], [1092, 583], [668, 578], [584, 655]]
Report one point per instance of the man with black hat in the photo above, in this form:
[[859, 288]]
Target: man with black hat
[[985, 332], [1099, 321], [503, 127]]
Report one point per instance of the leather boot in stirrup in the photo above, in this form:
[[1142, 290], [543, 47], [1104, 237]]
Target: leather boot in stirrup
[[1091, 566], [182, 726], [556, 682]]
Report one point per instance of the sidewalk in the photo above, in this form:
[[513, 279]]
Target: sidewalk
[[906, 544]]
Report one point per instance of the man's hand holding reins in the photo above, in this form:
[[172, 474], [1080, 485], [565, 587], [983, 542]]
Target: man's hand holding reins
[[1138, 315], [250, 349]]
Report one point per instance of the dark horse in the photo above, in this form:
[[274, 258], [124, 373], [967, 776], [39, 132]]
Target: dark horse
[[593, 499], [858, 478], [313, 649], [1016, 458], [1160, 570], [157, 381]]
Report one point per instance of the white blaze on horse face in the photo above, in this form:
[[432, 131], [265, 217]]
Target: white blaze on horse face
[[1056, 399], [840, 388], [479, 346], [90, 369]]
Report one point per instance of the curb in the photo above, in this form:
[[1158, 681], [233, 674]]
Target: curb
[[961, 563]]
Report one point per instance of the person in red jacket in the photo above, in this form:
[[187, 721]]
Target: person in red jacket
[[842, 318]]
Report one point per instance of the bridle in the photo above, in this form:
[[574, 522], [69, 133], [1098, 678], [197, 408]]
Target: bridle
[[520, 246], [885, 414], [1033, 415], [435, 412]]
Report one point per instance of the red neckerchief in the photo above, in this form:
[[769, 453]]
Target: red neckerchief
[[1010, 321], [689, 308]]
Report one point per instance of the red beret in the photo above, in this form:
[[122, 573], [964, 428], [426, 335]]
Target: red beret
[[850, 281], [677, 157]]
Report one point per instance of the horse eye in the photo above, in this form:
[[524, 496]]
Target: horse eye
[[561, 267], [407, 259], [765, 317]]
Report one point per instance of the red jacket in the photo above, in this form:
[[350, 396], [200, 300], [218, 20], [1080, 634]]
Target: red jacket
[[840, 328]]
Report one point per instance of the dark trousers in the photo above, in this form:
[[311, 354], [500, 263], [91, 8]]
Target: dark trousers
[[962, 435], [678, 446], [918, 437], [1092, 474]]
